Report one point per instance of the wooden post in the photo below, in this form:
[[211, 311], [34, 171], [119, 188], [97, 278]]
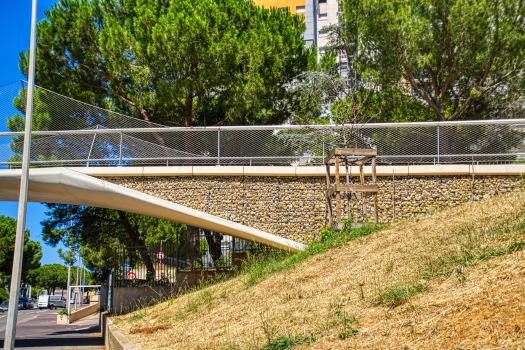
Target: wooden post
[[374, 180], [348, 195], [337, 194], [362, 178], [328, 201]]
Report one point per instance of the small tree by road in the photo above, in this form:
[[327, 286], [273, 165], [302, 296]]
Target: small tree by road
[[49, 277]]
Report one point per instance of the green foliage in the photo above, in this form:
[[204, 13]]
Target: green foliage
[[50, 277], [63, 312], [173, 62], [3, 295], [400, 294], [348, 326], [32, 250], [458, 59], [203, 246], [98, 230], [258, 266], [286, 342]]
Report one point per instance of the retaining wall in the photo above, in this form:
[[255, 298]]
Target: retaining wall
[[290, 201]]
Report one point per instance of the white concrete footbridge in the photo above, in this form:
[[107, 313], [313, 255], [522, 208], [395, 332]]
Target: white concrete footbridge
[[65, 186]]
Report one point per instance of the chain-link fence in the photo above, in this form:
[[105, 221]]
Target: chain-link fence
[[72, 133]]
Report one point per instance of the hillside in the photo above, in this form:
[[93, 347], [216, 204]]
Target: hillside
[[454, 279]]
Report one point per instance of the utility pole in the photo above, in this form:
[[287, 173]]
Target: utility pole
[[16, 275]]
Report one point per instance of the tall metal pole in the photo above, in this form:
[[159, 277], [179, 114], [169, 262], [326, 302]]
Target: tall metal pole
[[76, 284], [68, 296], [16, 275]]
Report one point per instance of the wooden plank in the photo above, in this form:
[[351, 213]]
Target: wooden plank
[[337, 194], [329, 156], [365, 160], [368, 152], [355, 151], [329, 204], [374, 174], [365, 215], [327, 176]]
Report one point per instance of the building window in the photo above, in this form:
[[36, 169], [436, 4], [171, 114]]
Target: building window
[[323, 16], [283, 9], [322, 34], [322, 1], [299, 9]]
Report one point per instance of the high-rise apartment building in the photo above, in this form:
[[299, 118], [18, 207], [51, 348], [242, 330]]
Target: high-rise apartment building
[[295, 6], [317, 14]]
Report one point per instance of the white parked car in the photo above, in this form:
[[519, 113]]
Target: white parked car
[[51, 301]]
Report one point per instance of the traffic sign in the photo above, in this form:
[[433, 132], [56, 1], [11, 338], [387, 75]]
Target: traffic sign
[[160, 255], [131, 276], [77, 289]]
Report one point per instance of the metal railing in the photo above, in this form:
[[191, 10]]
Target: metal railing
[[73, 133], [158, 264]]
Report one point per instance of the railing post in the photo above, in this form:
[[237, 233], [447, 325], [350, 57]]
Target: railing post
[[91, 148], [110, 291], [323, 145], [219, 146], [120, 151], [438, 144]]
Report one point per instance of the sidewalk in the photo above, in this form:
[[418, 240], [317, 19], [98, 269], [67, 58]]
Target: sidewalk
[[43, 333]]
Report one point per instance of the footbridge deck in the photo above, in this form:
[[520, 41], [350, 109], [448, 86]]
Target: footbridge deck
[[66, 186]]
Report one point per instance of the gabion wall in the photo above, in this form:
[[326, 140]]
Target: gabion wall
[[294, 207]]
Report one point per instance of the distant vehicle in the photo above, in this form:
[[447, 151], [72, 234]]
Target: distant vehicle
[[30, 304], [20, 305], [24, 302], [97, 293], [51, 301], [86, 301], [72, 300], [4, 306]]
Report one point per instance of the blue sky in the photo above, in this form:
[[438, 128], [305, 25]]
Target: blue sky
[[15, 26]]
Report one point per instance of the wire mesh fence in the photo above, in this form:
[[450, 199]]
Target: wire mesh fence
[[72, 133]]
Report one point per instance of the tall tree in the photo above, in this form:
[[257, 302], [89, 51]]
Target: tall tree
[[166, 61], [32, 250], [460, 58], [49, 277]]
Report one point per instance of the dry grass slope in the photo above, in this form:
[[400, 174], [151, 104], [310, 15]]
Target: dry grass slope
[[454, 279]]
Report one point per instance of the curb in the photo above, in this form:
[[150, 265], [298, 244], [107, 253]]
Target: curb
[[114, 339]]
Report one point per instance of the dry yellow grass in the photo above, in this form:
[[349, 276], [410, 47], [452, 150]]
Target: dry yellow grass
[[468, 303]]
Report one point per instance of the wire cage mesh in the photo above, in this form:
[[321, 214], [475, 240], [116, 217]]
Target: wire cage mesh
[[72, 133]]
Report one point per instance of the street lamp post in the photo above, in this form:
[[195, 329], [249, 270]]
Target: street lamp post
[[16, 275]]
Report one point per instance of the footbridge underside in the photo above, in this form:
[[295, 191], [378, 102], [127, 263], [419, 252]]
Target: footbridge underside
[[65, 186]]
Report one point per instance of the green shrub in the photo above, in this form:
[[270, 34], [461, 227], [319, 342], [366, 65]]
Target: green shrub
[[3, 295]]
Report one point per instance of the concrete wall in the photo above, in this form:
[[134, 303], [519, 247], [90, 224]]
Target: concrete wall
[[290, 201], [127, 299], [113, 338], [77, 315]]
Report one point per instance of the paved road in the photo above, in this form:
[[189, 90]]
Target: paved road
[[38, 329]]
